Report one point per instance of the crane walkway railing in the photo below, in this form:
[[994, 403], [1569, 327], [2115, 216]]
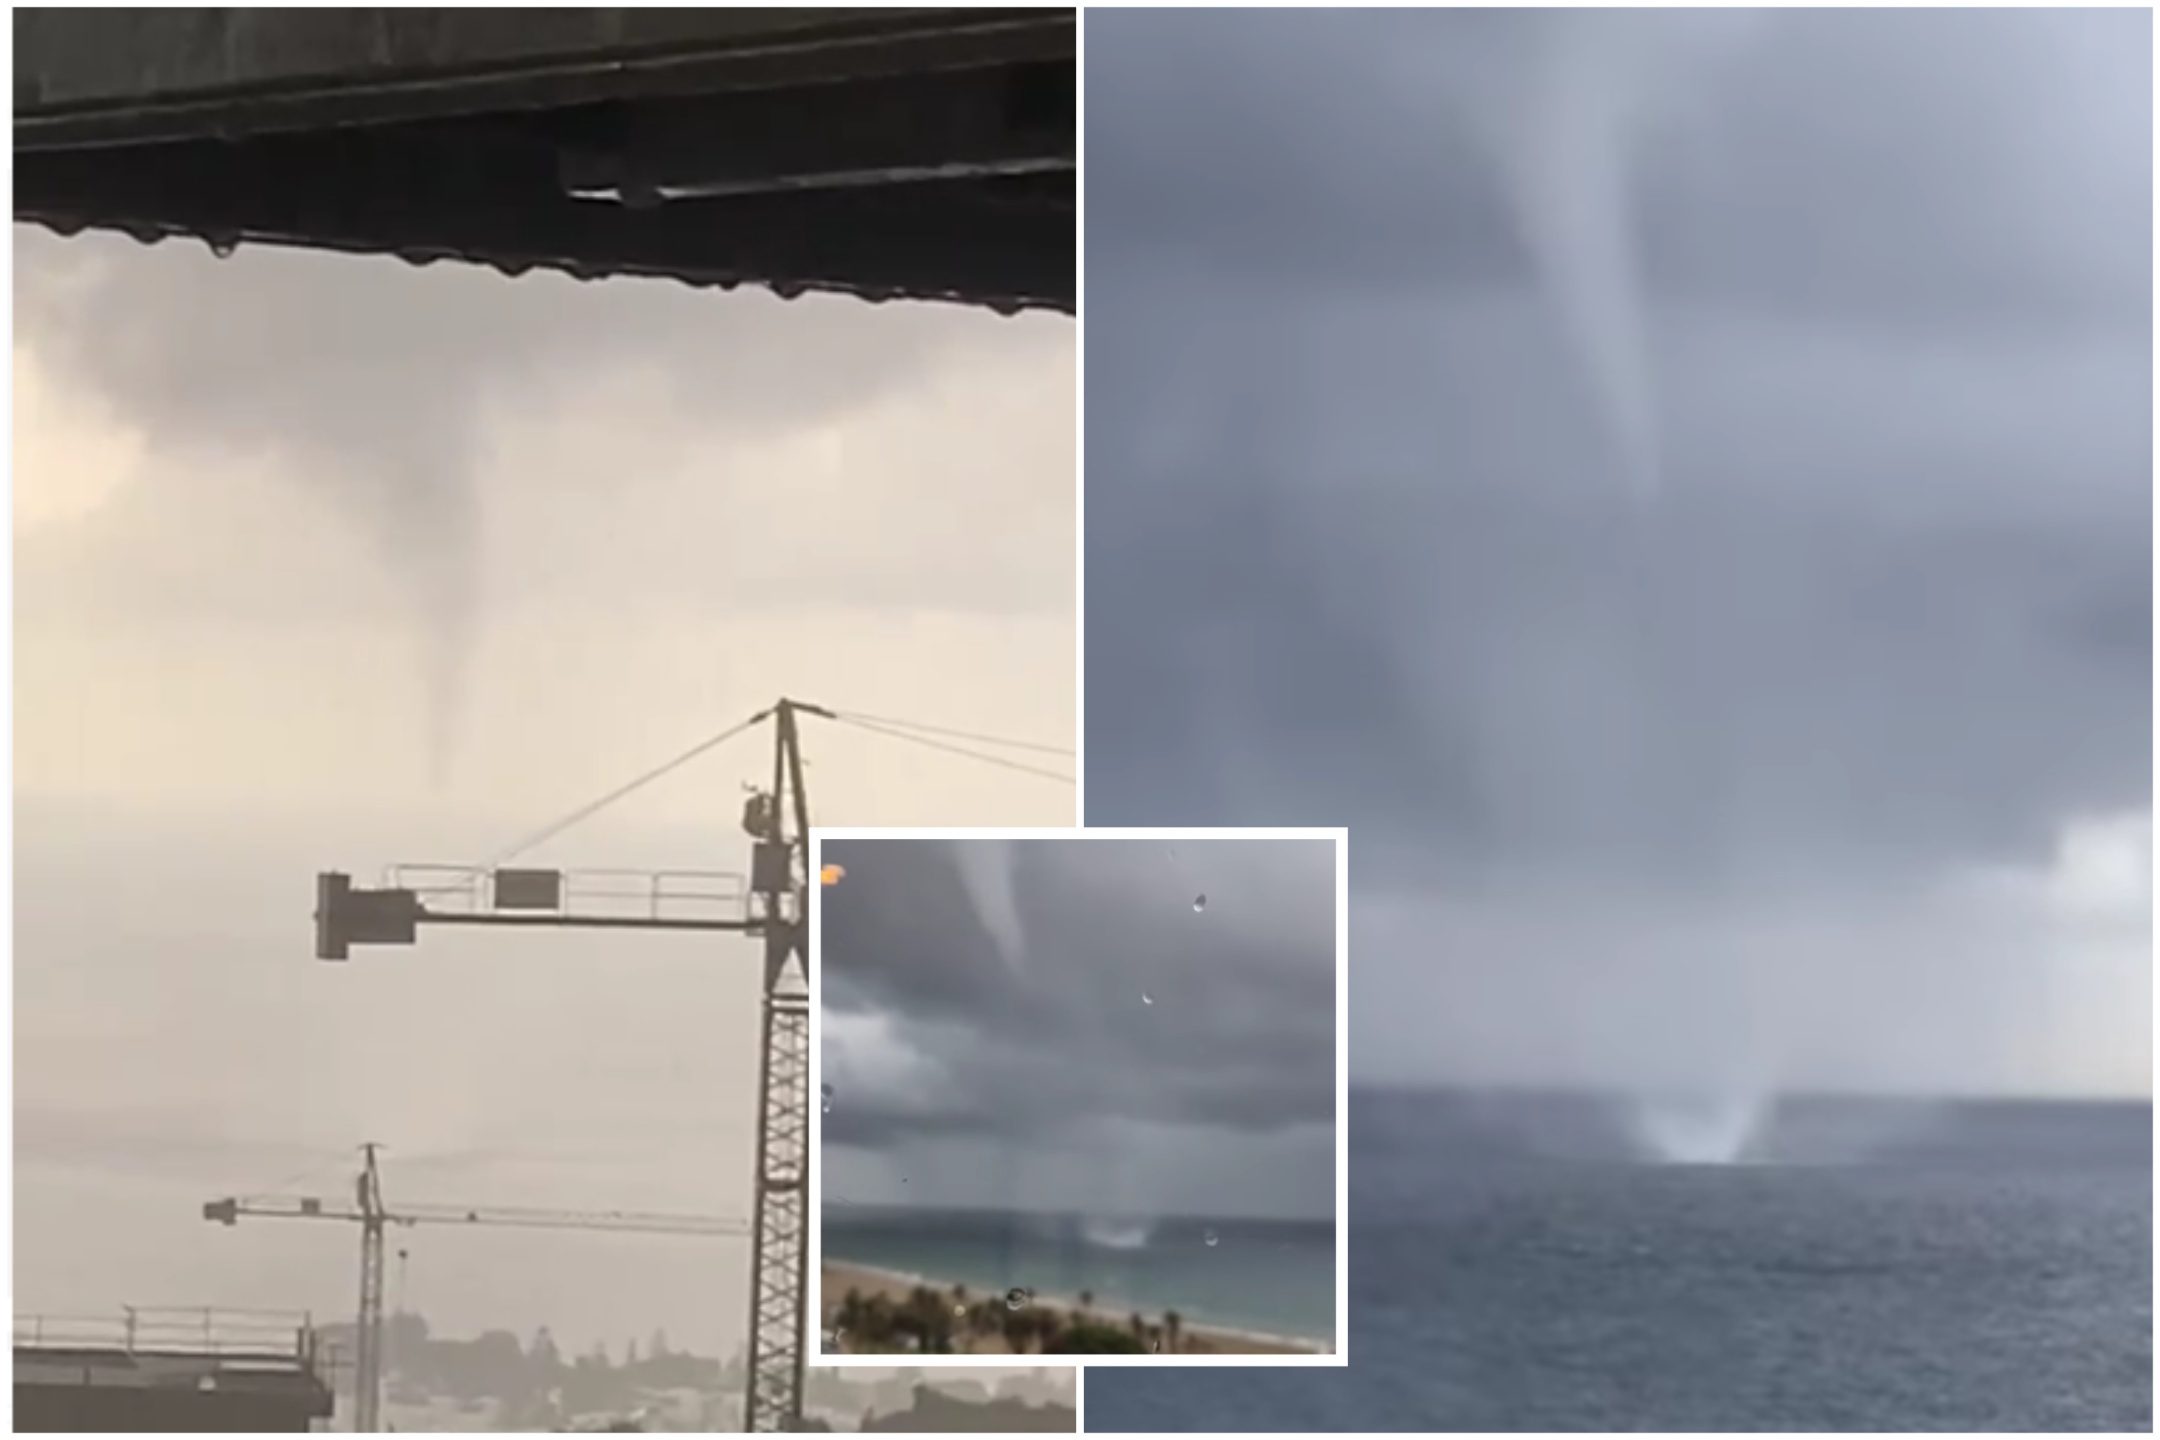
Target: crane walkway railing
[[449, 891], [224, 1333]]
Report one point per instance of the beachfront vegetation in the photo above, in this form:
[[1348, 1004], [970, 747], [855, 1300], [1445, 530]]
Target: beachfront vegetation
[[933, 1322]]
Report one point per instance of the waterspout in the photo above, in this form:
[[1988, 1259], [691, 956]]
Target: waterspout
[[1705, 1129]]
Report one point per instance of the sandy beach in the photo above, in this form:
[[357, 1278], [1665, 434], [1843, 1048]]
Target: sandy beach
[[837, 1278]]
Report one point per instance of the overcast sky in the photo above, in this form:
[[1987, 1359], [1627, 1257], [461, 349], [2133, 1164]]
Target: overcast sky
[[333, 562], [1678, 485], [1052, 1025]]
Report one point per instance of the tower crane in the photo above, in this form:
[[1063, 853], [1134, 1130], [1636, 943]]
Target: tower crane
[[773, 909], [374, 1216]]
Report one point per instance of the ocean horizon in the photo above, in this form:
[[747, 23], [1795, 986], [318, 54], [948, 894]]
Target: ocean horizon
[[1517, 1264]]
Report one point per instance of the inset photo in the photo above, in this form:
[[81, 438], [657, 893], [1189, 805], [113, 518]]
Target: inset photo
[[1082, 1093]]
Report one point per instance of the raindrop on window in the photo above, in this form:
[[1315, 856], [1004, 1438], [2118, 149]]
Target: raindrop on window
[[1199, 903], [825, 1098], [1015, 1298], [1211, 1237], [1146, 999]]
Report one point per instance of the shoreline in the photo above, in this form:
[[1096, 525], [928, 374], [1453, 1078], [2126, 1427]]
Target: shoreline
[[837, 1277]]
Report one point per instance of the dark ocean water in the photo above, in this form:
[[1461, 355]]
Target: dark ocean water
[[1274, 1277], [1971, 1268]]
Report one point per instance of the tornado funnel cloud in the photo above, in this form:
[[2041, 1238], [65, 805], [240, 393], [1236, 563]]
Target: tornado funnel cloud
[[986, 872], [427, 523], [1568, 134], [1568, 174]]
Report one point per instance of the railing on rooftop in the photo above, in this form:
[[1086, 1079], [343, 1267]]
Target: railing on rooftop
[[238, 1335]]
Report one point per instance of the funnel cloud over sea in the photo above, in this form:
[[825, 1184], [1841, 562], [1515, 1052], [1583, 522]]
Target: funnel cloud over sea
[[1693, 472]]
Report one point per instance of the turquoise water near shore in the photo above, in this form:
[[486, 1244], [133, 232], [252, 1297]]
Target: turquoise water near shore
[[1270, 1277]]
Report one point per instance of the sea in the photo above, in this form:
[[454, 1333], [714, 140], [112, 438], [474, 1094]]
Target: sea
[[1515, 1264], [1264, 1277]]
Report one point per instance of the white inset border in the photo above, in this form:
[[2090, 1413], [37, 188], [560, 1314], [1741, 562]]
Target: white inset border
[[1340, 838]]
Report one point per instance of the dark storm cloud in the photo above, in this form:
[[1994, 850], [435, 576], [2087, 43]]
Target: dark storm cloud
[[1359, 549], [1121, 1004]]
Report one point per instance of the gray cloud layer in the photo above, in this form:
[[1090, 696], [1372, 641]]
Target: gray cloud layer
[[1122, 1006], [387, 390], [1885, 167], [1359, 544], [1900, 586], [383, 383]]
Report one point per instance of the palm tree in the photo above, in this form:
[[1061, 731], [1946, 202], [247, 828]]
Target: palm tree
[[873, 1323], [1139, 1326], [1174, 1324], [848, 1319]]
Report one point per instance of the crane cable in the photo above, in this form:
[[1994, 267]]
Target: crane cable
[[976, 736], [315, 1170], [877, 725], [998, 760], [584, 812]]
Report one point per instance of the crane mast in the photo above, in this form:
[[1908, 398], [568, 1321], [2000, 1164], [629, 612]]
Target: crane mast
[[780, 1250], [367, 1388]]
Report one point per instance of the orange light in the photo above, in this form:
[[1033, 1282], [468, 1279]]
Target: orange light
[[830, 875]]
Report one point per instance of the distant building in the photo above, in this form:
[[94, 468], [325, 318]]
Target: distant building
[[936, 1412]]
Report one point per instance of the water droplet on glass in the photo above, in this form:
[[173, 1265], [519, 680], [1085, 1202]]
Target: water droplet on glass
[[1211, 1238], [1015, 1298], [1199, 903], [825, 1098], [1146, 999], [960, 1311], [223, 247]]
